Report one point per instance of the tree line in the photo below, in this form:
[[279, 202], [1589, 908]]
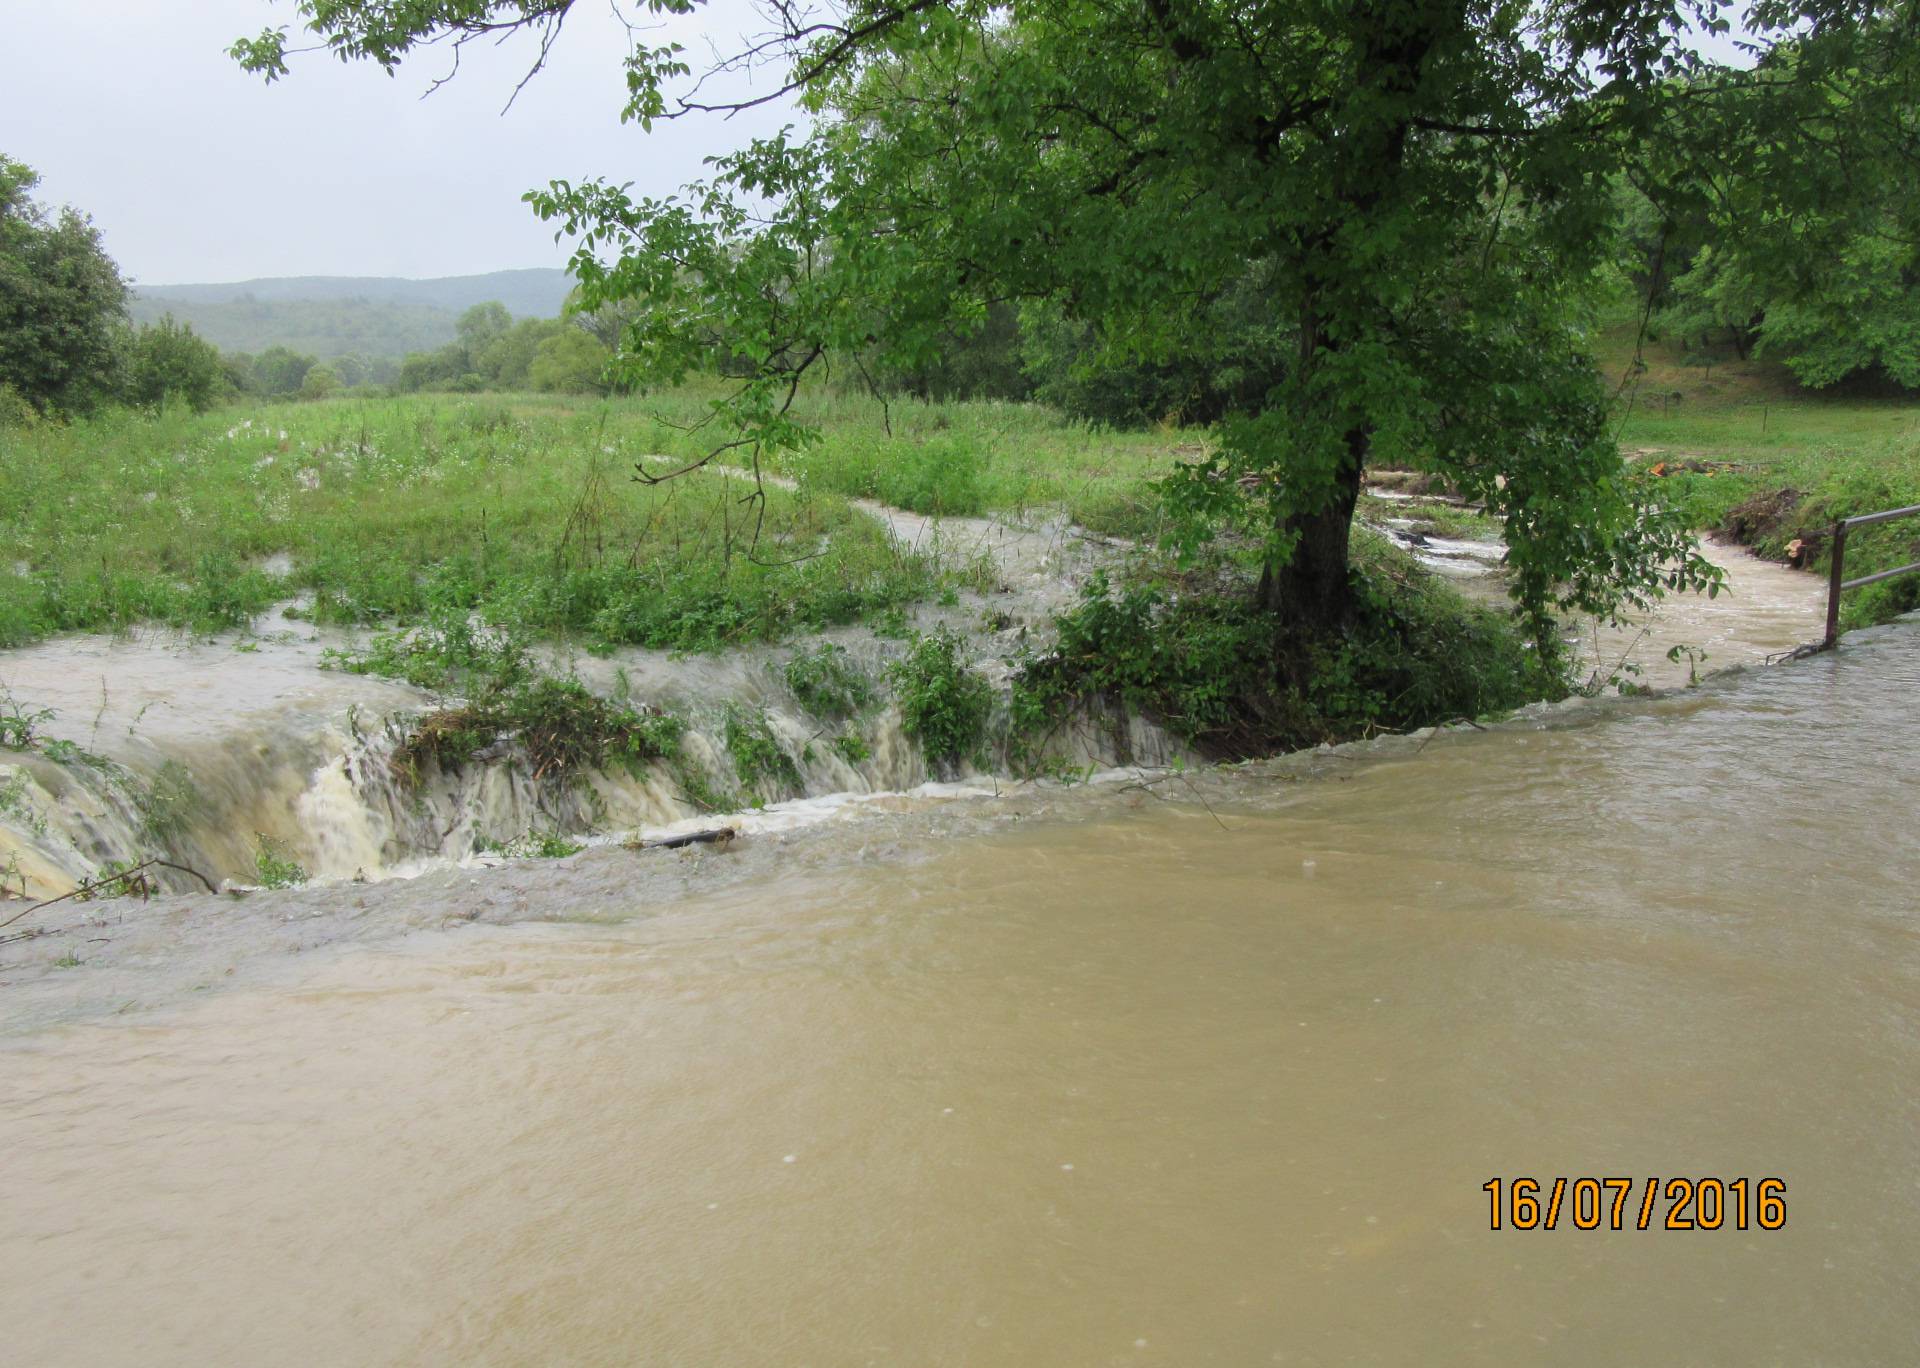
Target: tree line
[[68, 347]]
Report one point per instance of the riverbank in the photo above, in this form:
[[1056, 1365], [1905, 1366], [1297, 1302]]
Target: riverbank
[[92, 958], [1088, 1074], [1752, 456], [481, 637]]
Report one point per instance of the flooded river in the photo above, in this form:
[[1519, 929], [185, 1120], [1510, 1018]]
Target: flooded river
[[1205, 1072]]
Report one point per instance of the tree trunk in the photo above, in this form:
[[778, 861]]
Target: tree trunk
[[1313, 590]]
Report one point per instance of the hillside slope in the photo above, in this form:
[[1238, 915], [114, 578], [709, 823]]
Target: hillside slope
[[327, 316]]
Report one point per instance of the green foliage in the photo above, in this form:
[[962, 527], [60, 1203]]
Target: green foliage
[[492, 352], [561, 728], [447, 652], [828, 682], [982, 361], [570, 362], [531, 845], [15, 411], [1786, 218], [18, 725], [279, 372], [1428, 189], [852, 747], [320, 382], [1233, 354], [763, 766], [1197, 655], [165, 362], [390, 511], [14, 804], [169, 803], [275, 867], [944, 703], [62, 301]]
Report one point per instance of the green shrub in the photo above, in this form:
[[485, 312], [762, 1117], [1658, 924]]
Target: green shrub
[[852, 747], [15, 412], [943, 704], [1204, 661], [276, 867], [563, 729], [828, 683], [764, 769]]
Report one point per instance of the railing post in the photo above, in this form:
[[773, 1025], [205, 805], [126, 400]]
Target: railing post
[[1836, 575]]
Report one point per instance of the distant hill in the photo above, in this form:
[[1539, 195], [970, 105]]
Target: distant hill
[[329, 316]]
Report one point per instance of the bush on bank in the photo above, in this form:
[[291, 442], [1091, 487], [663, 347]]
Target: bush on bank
[[1195, 654]]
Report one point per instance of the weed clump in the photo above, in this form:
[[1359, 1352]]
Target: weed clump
[[765, 770], [944, 704], [531, 845], [559, 725], [169, 802], [852, 747], [828, 683], [275, 865]]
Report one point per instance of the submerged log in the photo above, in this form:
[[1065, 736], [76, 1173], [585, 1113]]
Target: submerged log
[[718, 836]]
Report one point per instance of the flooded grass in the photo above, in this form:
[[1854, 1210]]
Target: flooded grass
[[383, 510], [959, 457], [1810, 456]]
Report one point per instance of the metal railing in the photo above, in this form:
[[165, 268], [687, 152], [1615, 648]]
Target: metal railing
[[1837, 581]]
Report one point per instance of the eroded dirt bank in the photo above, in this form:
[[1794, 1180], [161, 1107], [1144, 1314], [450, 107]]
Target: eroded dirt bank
[[220, 751]]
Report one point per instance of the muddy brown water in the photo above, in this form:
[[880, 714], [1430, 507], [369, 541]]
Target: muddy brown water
[[1138, 1081]]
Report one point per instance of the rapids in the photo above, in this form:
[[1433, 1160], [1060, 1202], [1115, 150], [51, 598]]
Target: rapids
[[1203, 1069]]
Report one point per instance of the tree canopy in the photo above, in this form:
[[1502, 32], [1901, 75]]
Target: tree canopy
[[62, 301], [1425, 190], [1795, 229]]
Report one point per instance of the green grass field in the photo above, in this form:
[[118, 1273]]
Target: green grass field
[[389, 509], [951, 458], [523, 507], [1840, 453]]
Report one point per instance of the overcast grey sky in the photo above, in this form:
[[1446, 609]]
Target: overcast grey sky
[[196, 171]]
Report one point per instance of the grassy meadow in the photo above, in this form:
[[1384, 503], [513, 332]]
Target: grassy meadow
[[388, 509], [956, 458], [1811, 456], [524, 509]]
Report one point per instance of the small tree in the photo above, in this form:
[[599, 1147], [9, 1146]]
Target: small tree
[[167, 363], [280, 371], [62, 301], [320, 382], [570, 362]]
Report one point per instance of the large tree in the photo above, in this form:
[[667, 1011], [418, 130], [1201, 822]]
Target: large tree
[[1801, 235], [62, 301], [1426, 187]]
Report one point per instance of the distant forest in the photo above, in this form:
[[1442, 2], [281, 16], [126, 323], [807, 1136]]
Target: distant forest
[[339, 316]]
